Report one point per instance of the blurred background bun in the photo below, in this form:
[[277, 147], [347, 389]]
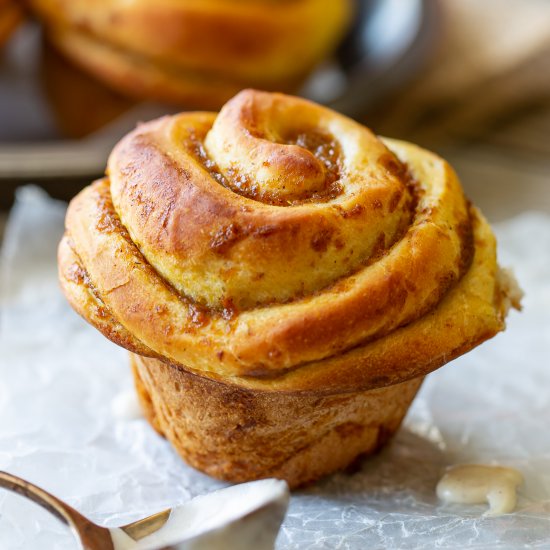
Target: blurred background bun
[[195, 52], [11, 15], [80, 104]]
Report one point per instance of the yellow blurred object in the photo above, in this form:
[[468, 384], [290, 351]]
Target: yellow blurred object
[[198, 53]]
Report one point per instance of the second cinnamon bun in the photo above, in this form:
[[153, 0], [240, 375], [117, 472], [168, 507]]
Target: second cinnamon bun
[[195, 52]]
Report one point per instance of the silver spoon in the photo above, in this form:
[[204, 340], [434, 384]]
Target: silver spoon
[[242, 516]]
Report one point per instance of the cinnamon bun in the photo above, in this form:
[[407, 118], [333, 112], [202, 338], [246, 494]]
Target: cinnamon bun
[[283, 278], [195, 52]]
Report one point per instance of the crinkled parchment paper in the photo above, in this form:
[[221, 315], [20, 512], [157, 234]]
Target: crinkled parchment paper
[[59, 376]]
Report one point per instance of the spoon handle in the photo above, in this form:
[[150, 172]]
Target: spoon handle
[[91, 536]]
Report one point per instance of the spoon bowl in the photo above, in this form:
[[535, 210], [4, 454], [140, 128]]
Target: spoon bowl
[[242, 516]]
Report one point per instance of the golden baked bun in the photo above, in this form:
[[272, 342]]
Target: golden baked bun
[[284, 279], [79, 103], [11, 14], [196, 52]]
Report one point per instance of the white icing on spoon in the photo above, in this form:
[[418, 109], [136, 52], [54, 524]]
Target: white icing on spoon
[[235, 518], [477, 483]]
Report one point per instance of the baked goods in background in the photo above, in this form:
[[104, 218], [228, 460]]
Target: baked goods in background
[[80, 104], [195, 52], [11, 14], [284, 280]]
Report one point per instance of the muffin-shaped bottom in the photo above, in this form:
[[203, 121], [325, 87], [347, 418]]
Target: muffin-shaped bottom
[[238, 434]]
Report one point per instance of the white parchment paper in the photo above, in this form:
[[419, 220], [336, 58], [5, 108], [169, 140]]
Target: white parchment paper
[[59, 377]]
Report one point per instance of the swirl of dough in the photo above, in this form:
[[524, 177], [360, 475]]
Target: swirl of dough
[[273, 236], [251, 219]]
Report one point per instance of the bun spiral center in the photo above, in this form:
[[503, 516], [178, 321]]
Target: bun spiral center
[[273, 199], [274, 152]]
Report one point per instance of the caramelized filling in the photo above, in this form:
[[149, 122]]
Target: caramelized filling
[[324, 148]]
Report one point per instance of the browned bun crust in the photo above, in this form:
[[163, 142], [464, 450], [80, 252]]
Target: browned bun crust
[[238, 434], [11, 15], [80, 103], [280, 251], [197, 52]]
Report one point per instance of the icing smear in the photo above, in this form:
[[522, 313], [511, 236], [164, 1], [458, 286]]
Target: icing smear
[[477, 483]]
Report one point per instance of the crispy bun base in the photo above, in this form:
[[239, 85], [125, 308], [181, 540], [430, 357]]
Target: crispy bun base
[[239, 434], [80, 103]]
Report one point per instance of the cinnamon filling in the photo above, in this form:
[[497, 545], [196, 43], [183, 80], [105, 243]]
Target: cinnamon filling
[[323, 147]]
